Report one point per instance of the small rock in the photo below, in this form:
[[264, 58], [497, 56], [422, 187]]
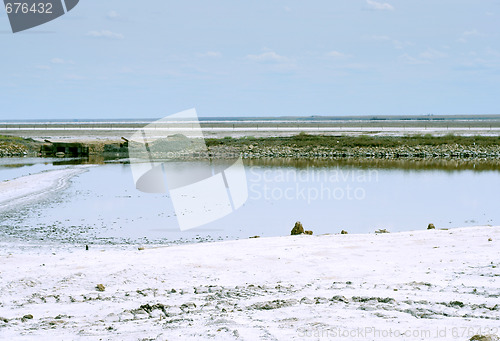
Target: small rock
[[338, 298], [343, 232], [188, 306], [200, 290], [27, 317], [306, 300], [100, 287], [431, 227], [484, 338], [297, 229], [457, 304], [141, 248], [254, 237], [308, 232], [490, 240]]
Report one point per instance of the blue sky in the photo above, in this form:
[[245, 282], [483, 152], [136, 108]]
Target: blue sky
[[129, 59]]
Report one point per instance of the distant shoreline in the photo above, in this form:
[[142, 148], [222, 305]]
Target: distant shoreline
[[238, 127], [301, 146], [310, 118]]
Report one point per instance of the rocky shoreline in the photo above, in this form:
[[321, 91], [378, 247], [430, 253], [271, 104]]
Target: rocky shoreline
[[421, 152], [18, 147], [305, 146], [9, 149], [302, 147]]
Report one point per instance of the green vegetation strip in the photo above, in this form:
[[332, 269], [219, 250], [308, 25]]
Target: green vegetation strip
[[304, 140]]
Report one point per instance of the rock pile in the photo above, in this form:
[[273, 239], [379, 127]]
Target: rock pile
[[299, 229], [12, 149], [443, 151]]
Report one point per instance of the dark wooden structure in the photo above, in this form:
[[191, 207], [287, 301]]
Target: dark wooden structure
[[64, 149]]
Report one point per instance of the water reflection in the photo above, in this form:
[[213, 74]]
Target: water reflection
[[364, 163], [328, 196], [406, 164]]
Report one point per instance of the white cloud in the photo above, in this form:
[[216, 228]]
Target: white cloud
[[275, 62], [105, 34], [380, 38], [406, 58], [287, 9], [356, 67], [336, 54], [61, 61], [426, 57], [211, 54], [43, 67], [468, 34], [431, 54], [491, 52], [380, 6], [74, 77], [268, 57], [471, 33], [112, 15], [57, 61], [399, 45]]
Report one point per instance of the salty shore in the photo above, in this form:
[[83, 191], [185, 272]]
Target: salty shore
[[429, 284], [30, 188]]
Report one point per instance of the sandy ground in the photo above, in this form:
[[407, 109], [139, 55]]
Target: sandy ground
[[424, 285]]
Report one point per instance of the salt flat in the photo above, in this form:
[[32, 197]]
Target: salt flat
[[429, 284], [32, 187]]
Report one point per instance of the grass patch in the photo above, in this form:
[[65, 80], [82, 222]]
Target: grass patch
[[304, 140], [11, 138]]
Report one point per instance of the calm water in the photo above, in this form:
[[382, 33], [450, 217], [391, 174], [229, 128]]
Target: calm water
[[102, 205]]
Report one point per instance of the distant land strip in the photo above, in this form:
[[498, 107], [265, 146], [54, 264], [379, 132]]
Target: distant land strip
[[301, 146]]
